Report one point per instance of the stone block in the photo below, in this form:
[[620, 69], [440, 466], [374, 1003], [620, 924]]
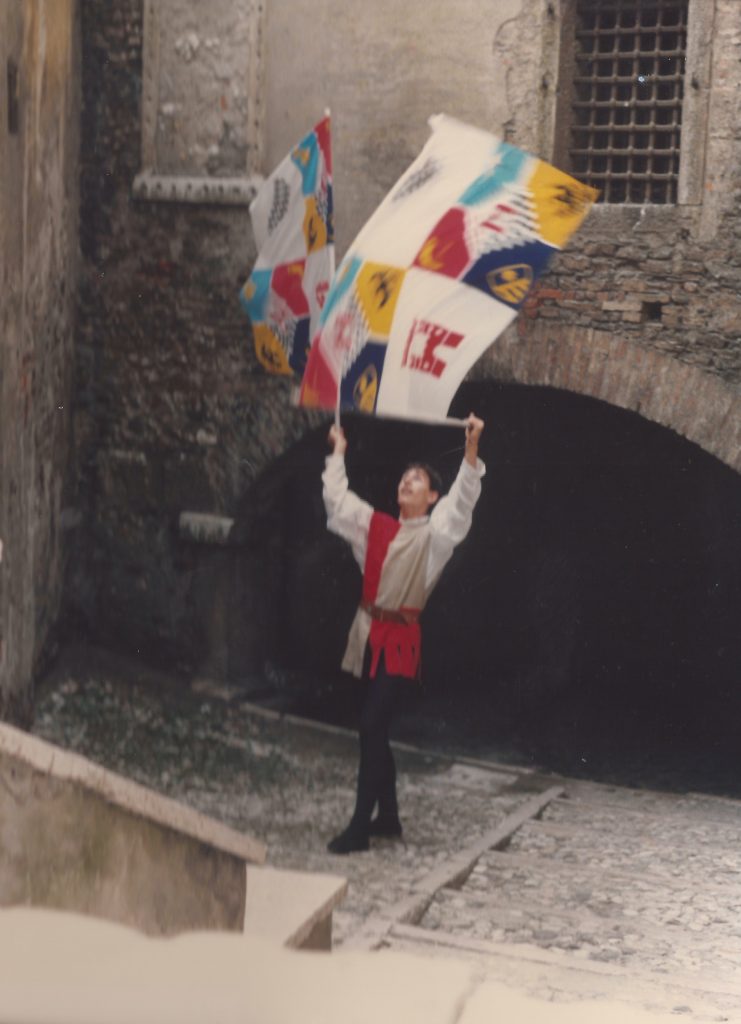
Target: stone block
[[99, 973], [293, 908], [203, 528], [78, 837], [622, 305]]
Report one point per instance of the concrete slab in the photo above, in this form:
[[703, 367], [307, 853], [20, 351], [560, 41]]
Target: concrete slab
[[292, 908], [99, 973], [76, 836]]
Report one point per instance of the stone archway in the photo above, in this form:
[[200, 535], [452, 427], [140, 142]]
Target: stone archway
[[695, 404]]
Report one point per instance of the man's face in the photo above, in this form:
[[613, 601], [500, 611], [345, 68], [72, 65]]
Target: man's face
[[415, 494]]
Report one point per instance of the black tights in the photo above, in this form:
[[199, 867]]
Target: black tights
[[377, 770]]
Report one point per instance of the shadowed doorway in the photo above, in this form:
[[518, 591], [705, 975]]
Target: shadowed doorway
[[589, 621]]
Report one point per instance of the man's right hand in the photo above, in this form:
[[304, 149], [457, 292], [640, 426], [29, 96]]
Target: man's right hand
[[337, 439]]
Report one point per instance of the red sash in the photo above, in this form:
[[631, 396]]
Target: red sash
[[399, 642]]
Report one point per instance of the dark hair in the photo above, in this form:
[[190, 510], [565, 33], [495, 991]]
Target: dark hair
[[436, 481]]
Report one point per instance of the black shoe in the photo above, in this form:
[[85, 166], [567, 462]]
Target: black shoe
[[387, 828], [348, 842]]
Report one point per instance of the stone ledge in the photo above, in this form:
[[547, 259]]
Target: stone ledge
[[168, 188], [205, 528], [47, 759]]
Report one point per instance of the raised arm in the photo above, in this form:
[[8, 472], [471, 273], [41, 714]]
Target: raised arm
[[452, 516], [347, 515]]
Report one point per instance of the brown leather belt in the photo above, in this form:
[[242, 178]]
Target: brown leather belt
[[404, 616]]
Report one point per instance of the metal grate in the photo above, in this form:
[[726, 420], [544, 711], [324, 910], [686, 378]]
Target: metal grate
[[628, 88]]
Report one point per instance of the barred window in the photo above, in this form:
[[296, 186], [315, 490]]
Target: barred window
[[202, 101], [628, 88]]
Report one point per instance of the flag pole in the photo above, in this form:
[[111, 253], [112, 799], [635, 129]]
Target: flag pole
[[432, 421], [328, 114]]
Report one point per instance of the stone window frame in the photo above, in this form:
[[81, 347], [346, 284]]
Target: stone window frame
[[220, 191], [695, 104]]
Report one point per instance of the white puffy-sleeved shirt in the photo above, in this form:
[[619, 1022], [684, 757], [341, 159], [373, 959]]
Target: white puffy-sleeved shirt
[[401, 561]]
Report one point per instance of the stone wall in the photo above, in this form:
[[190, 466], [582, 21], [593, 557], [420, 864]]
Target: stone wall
[[173, 413], [39, 125], [643, 309]]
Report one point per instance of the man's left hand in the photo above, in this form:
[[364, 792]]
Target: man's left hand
[[474, 426]]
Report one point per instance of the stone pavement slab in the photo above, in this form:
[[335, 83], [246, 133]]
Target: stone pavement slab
[[491, 1000]]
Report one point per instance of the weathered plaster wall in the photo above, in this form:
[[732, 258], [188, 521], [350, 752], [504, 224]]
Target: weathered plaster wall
[[38, 248], [202, 92], [383, 69]]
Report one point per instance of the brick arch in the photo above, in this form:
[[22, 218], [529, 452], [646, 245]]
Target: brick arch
[[696, 405]]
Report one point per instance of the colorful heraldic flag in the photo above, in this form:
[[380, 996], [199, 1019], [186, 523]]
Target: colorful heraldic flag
[[438, 272], [292, 221]]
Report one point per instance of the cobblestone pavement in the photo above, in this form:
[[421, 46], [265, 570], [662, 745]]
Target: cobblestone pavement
[[290, 786], [608, 893], [651, 890]]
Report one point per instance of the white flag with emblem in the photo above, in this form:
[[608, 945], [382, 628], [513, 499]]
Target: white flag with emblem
[[293, 226], [438, 272]]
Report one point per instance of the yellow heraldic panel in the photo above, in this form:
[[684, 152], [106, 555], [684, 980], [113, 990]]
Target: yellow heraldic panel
[[302, 155], [365, 391], [315, 230], [377, 288], [269, 350], [561, 203], [433, 254], [511, 284]]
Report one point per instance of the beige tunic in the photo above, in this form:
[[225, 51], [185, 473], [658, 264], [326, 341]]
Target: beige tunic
[[416, 556]]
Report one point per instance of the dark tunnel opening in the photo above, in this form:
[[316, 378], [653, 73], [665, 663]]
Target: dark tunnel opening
[[589, 621]]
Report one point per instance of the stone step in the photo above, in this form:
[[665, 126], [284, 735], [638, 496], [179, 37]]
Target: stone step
[[687, 817], [652, 851], [693, 912], [557, 975], [612, 934], [522, 875], [471, 777], [653, 802], [452, 871], [719, 840], [710, 851], [534, 870]]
